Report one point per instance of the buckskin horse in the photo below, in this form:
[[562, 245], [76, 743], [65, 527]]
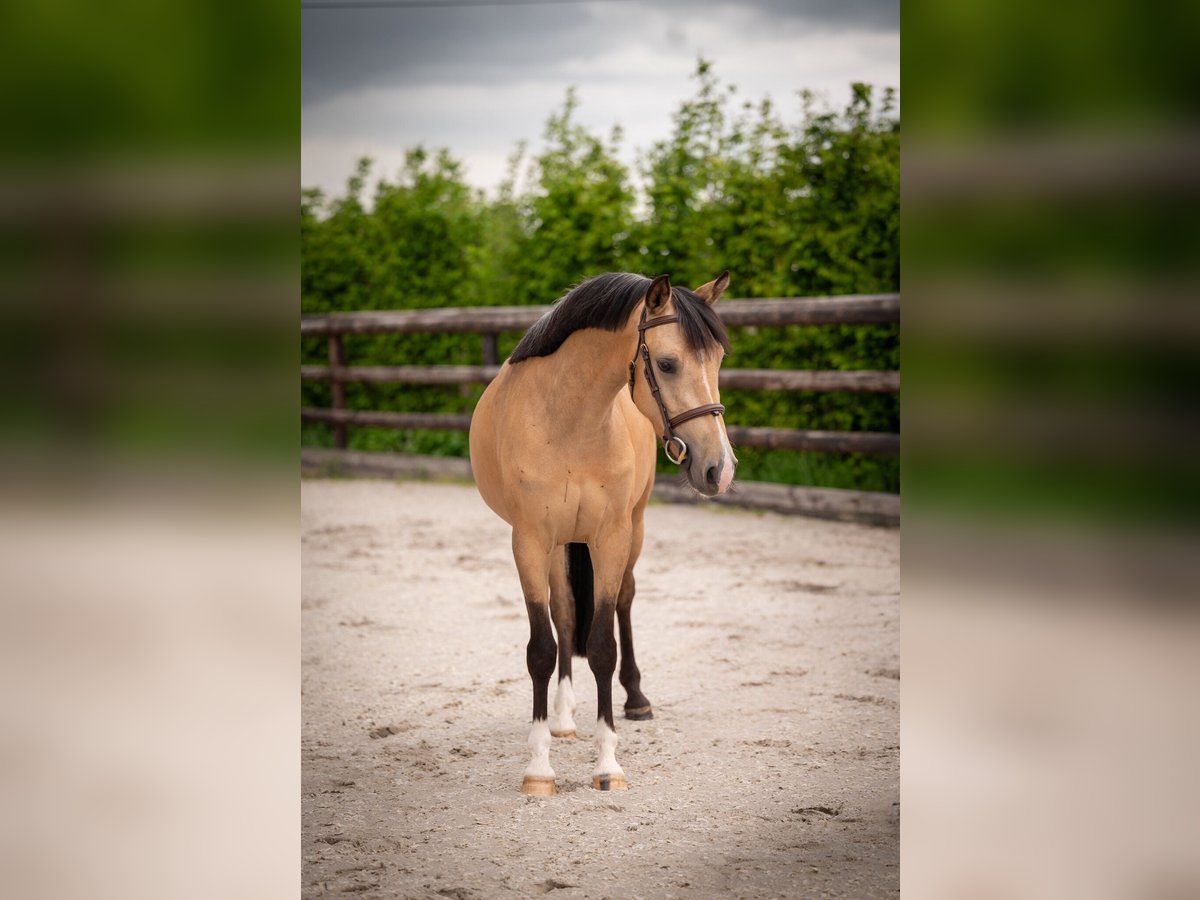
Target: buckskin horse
[[563, 450]]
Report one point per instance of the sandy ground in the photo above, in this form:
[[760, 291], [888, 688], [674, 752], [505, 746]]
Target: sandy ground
[[768, 645]]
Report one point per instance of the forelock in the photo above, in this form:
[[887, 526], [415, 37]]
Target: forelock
[[699, 323]]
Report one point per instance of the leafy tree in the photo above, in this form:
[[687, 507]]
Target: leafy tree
[[801, 211], [577, 215]]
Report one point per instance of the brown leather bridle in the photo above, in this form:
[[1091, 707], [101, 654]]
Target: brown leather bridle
[[668, 437]]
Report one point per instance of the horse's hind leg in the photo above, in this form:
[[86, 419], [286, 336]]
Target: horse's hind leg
[[636, 704], [533, 566], [562, 611]]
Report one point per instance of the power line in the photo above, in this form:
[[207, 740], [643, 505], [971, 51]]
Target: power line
[[433, 4]]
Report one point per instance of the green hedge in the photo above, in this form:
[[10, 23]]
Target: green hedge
[[802, 209]]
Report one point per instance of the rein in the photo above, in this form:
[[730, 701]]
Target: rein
[[669, 437]]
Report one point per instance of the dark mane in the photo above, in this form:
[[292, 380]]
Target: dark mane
[[607, 301]]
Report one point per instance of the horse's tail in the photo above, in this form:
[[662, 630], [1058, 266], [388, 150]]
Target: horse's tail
[[583, 587]]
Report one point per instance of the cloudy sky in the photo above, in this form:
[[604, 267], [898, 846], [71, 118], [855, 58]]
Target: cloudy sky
[[479, 78]]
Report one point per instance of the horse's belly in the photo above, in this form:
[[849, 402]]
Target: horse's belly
[[485, 458]]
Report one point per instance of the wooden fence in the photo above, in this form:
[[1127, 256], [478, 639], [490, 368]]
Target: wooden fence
[[489, 322]]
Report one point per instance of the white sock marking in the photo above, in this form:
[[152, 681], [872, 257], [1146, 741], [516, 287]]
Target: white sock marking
[[539, 750], [606, 747], [563, 719]]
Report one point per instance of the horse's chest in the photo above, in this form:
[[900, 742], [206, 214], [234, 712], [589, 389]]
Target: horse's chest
[[574, 503], [599, 503]]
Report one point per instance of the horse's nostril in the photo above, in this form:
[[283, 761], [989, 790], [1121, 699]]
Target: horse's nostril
[[711, 476]]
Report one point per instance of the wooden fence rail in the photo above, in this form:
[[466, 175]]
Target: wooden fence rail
[[748, 379], [490, 322], [855, 309], [771, 438], [868, 507]]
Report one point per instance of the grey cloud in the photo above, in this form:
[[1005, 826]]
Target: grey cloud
[[867, 15], [349, 50]]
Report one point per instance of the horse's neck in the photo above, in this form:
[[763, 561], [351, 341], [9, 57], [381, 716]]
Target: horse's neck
[[587, 373]]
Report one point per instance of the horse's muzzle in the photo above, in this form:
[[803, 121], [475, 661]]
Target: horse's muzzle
[[713, 479]]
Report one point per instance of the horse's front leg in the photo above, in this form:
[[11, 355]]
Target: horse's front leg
[[533, 566], [609, 556]]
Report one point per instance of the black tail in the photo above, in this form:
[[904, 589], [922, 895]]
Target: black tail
[[583, 586]]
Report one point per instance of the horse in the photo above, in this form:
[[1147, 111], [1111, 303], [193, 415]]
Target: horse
[[563, 449]]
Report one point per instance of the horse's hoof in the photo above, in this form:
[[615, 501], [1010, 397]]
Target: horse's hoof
[[610, 783], [563, 734], [538, 786], [640, 713]]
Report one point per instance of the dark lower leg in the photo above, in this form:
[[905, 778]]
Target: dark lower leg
[[602, 658], [636, 704], [539, 655], [566, 646]]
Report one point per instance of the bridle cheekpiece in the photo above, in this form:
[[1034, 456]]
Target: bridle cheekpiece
[[669, 438]]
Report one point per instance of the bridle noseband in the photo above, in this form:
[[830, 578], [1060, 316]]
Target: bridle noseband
[[669, 437]]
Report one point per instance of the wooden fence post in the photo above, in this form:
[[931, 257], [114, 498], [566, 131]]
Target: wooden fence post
[[489, 348], [338, 389]]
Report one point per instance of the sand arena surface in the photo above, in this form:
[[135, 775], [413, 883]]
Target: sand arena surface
[[768, 645]]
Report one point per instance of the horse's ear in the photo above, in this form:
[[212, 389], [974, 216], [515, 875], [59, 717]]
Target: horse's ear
[[658, 294], [710, 293]]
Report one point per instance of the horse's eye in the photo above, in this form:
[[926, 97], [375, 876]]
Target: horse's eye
[[666, 366]]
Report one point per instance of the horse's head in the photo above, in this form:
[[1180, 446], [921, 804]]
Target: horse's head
[[685, 358]]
